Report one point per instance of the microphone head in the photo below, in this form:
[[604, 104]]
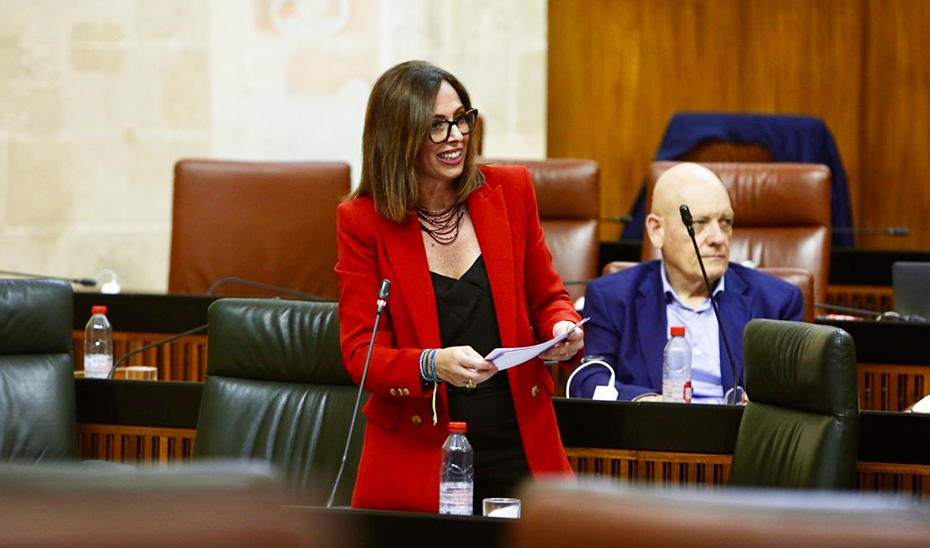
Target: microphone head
[[385, 290], [686, 215]]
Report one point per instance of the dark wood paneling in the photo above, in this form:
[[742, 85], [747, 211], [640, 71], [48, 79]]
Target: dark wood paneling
[[896, 135], [619, 69]]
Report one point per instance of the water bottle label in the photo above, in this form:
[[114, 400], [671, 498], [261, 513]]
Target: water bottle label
[[456, 498], [97, 366], [674, 390]]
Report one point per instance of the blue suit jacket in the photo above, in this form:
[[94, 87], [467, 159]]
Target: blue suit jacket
[[628, 324]]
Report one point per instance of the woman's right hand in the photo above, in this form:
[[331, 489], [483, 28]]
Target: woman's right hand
[[457, 365]]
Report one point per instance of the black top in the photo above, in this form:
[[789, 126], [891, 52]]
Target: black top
[[467, 317]]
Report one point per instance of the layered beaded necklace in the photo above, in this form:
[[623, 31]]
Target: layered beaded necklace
[[446, 223]]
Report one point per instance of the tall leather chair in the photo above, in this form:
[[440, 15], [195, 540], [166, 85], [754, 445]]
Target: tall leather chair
[[195, 505], [601, 514], [568, 197], [267, 223], [38, 417], [746, 137], [782, 215], [276, 391], [801, 426]]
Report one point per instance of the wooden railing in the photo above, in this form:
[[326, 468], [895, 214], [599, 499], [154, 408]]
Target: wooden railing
[[163, 446], [181, 360], [865, 297]]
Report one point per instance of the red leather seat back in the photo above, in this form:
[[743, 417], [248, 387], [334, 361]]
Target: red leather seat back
[[267, 222], [568, 196], [782, 215]]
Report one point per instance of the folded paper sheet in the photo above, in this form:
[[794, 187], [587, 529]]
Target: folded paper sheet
[[505, 358]]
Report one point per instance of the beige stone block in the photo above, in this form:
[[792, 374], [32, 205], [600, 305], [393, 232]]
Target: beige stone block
[[39, 189], [52, 21], [138, 255], [115, 101], [29, 97], [531, 93], [30, 250], [186, 90], [127, 180], [102, 31], [104, 60], [174, 20]]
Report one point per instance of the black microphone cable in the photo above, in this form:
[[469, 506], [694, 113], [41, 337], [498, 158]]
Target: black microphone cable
[[261, 285], [734, 397], [383, 293], [153, 345]]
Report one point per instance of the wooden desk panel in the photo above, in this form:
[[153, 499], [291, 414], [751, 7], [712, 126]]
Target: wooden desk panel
[[164, 446], [135, 444], [181, 360], [865, 297]]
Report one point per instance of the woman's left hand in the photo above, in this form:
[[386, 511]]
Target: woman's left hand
[[567, 348]]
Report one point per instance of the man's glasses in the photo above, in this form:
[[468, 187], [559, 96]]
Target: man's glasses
[[441, 129]]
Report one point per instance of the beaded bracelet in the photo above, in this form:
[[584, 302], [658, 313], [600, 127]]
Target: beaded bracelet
[[432, 366], [423, 365]]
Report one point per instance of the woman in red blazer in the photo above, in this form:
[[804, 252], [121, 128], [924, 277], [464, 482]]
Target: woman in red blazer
[[470, 271]]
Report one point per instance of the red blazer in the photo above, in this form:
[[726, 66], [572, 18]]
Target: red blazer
[[399, 465]]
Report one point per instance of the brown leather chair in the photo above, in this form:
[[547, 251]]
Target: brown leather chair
[[601, 514], [568, 196], [799, 277], [782, 215], [271, 223]]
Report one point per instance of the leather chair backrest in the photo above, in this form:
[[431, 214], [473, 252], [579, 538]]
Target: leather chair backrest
[[234, 505], [38, 417], [276, 390], [602, 514], [798, 277], [782, 215], [568, 197], [718, 150], [268, 222], [801, 426]]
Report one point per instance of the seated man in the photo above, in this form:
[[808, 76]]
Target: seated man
[[631, 311]]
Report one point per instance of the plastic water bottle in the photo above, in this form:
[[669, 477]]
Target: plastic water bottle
[[98, 344], [676, 368], [456, 474]]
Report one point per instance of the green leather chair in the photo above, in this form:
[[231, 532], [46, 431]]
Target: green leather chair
[[38, 417], [801, 427], [276, 391]]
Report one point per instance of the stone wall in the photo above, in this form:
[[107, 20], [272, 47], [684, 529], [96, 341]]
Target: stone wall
[[99, 98]]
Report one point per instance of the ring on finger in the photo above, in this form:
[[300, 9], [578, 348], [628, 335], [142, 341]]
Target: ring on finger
[[470, 384]]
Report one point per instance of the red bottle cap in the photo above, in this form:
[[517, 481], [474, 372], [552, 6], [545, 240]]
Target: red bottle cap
[[99, 309], [678, 331], [457, 427]]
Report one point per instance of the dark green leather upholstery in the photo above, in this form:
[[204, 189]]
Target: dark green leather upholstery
[[38, 417], [801, 427], [276, 390]]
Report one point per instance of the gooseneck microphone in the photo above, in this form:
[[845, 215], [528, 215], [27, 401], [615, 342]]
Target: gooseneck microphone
[[733, 397], [141, 349], [383, 293], [86, 282]]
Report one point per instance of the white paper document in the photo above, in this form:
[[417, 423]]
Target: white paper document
[[505, 358]]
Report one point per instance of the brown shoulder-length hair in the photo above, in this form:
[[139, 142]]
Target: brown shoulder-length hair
[[397, 123]]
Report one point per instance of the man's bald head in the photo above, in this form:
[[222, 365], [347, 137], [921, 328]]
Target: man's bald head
[[680, 184], [707, 198]]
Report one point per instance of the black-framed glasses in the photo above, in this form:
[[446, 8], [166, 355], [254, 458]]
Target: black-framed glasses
[[440, 130]]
